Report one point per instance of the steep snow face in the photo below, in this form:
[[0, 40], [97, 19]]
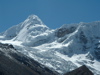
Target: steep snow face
[[10, 33], [33, 32], [32, 26], [84, 45], [63, 49]]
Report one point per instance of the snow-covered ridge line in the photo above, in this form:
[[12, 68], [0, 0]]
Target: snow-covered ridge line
[[62, 49]]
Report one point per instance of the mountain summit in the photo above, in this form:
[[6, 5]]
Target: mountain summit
[[32, 25], [34, 20], [63, 49]]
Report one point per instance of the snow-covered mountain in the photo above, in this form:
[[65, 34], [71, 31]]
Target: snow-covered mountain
[[62, 49]]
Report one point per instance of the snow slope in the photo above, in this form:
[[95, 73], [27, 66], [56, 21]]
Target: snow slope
[[62, 49]]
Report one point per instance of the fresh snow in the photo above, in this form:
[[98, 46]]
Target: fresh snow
[[75, 46]]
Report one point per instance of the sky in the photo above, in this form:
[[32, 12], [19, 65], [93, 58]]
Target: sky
[[53, 13]]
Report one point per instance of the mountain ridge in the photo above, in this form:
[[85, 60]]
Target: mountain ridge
[[71, 45]]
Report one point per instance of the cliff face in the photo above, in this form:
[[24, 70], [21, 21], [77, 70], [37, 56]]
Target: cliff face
[[83, 70], [15, 63]]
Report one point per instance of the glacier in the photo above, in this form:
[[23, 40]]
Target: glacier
[[62, 49]]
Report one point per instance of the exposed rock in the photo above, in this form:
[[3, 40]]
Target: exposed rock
[[15, 63], [97, 50], [63, 31], [83, 70], [83, 38]]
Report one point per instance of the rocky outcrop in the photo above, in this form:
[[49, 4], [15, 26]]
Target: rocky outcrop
[[63, 31], [97, 50], [15, 63], [83, 70]]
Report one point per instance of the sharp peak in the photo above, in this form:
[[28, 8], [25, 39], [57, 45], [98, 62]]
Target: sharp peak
[[33, 16], [33, 19]]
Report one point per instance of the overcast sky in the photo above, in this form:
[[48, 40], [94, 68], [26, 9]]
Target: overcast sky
[[53, 13]]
